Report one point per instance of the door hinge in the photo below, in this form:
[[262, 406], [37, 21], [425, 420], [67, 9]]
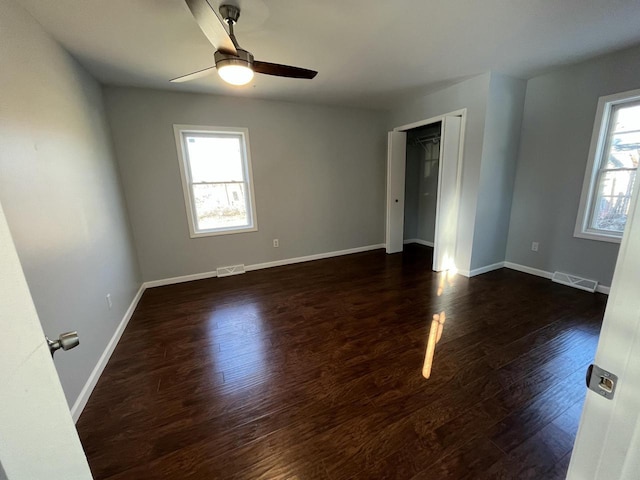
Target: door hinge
[[602, 382]]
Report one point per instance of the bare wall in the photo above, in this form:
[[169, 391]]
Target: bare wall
[[319, 175], [558, 120], [497, 175], [61, 194]]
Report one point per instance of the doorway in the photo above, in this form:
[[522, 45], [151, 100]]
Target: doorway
[[441, 139], [421, 184]]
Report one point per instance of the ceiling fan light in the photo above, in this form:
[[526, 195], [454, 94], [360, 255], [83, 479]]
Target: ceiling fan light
[[235, 74]]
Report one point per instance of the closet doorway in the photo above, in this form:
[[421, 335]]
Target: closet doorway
[[424, 166], [421, 184]]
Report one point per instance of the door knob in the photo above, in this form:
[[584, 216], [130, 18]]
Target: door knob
[[66, 341]]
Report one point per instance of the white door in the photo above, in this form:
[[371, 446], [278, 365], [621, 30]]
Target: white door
[[608, 442], [448, 192], [396, 165], [38, 437]]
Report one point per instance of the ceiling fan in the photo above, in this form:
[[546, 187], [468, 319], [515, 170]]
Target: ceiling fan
[[234, 64]]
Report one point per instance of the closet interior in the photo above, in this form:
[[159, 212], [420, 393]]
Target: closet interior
[[421, 184]]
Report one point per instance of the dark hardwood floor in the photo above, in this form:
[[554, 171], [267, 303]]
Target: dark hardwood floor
[[313, 371]]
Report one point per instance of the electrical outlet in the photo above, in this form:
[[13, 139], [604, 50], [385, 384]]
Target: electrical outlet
[[109, 302], [534, 246], [276, 243]]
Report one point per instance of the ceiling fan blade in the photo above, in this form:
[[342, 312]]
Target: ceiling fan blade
[[282, 70], [192, 76], [212, 26]]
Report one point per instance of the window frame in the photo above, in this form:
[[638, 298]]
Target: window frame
[[187, 181], [599, 142]]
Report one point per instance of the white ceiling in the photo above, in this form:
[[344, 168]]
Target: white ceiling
[[367, 51]]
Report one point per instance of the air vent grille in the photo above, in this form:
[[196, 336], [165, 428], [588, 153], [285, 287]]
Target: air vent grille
[[575, 281], [230, 270]]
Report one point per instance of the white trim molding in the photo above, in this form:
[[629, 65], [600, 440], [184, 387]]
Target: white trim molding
[[544, 274], [259, 266], [419, 241], [596, 149], [428, 121], [91, 382], [520, 268], [181, 279], [289, 261], [180, 133], [481, 270], [309, 258], [530, 270]]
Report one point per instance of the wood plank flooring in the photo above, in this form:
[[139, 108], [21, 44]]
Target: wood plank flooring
[[313, 371]]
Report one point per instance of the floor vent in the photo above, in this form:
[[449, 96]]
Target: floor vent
[[574, 281], [230, 270]]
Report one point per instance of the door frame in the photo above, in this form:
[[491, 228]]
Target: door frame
[[421, 123]]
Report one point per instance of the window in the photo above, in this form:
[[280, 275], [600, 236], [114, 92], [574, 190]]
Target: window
[[216, 178], [611, 171]]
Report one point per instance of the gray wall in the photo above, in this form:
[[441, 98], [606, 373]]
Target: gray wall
[[60, 190], [319, 176], [559, 114], [499, 157], [471, 94]]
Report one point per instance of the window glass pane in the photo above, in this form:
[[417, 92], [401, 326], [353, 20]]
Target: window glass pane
[[220, 206], [612, 201], [215, 158], [624, 151], [626, 118]]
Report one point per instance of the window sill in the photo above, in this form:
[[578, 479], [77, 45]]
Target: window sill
[[222, 232], [598, 237]]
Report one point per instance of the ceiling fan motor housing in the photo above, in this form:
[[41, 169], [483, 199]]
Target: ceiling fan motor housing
[[234, 64], [244, 59]]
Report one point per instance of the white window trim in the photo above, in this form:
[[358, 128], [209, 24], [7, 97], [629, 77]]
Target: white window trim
[[598, 143], [185, 175]]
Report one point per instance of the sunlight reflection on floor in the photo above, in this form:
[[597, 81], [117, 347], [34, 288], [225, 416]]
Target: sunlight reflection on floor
[[241, 356], [447, 280]]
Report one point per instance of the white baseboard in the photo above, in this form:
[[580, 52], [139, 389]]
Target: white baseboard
[[481, 270], [544, 274], [184, 278], [309, 258], [86, 391], [530, 270], [520, 268], [418, 241], [259, 266], [288, 261]]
